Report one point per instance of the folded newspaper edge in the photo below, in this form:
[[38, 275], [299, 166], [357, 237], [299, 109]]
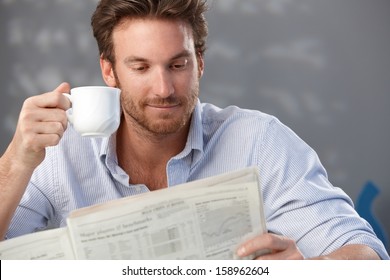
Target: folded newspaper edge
[[202, 219]]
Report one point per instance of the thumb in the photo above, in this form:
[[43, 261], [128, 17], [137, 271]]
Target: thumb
[[64, 102], [62, 88]]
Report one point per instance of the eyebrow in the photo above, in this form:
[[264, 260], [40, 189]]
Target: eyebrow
[[134, 59]]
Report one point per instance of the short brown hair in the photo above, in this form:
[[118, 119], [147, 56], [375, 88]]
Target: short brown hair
[[109, 13]]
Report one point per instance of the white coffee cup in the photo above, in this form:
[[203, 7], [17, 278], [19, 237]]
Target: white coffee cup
[[95, 110]]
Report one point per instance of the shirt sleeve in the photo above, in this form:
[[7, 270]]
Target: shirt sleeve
[[300, 201], [35, 211], [31, 215]]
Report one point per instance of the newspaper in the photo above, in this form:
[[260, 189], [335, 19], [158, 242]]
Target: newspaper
[[204, 219]]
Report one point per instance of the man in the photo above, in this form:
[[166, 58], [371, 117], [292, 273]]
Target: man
[[153, 51]]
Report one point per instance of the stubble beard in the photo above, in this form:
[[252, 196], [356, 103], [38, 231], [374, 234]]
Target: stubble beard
[[166, 124]]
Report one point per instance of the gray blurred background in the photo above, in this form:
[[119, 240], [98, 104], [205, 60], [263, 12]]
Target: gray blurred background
[[321, 66]]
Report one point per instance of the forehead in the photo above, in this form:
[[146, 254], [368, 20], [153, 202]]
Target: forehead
[[152, 38]]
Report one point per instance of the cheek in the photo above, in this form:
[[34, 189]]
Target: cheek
[[129, 83], [186, 81]]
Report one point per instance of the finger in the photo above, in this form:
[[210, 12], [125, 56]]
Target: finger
[[64, 103], [279, 242], [253, 245], [38, 142], [54, 99], [48, 128], [62, 88], [32, 117], [43, 114], [263, 242], [292, 253], [282, 248], [39, 137], [282, 255]]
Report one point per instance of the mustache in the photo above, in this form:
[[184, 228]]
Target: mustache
[[170, 100]]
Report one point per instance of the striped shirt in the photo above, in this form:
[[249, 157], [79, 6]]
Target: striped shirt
[[299, 201]]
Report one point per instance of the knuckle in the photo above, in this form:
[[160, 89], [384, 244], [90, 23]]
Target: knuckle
[[54, 140], [58, 127], [31, 143], [26, 114], [28, 102], [25, 129]]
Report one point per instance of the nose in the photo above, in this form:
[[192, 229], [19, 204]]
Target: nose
[[163, 83]]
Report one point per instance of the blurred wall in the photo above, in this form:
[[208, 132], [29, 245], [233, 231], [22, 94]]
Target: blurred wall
[[322, 67]]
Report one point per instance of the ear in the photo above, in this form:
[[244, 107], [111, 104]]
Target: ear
[[107, 72], [200, 65]]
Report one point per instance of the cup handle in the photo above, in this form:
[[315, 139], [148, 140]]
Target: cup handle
[[69, 112]]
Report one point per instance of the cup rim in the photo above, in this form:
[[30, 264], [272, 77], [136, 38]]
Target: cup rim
[[105, 87], [79, 89]]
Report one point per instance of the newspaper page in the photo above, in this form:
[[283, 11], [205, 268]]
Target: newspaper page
[[205, 219], [51, 244]]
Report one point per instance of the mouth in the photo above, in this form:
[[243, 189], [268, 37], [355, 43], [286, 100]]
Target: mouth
[[163, 111], [168, 105], [163, 106]]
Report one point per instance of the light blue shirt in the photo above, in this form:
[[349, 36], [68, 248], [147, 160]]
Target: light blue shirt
[[299, 200]]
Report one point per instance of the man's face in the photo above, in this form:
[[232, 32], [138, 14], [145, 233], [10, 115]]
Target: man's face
[[158, 72]]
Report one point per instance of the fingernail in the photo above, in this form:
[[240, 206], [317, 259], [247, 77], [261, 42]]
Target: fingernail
[[241, 251]]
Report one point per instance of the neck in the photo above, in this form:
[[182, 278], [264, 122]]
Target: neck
[[149, 147], [144, 156]]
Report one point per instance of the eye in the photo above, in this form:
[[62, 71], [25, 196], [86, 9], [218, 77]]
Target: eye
[[139, 67], [179, 64]]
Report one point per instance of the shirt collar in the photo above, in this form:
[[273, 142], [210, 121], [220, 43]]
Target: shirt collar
[[107, 146], [195, 136], [106, 149]]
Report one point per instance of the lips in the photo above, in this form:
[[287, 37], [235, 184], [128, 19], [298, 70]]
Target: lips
[[169, 102], [163, 106]]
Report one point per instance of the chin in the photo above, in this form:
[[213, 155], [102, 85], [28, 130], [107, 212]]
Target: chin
[[167, 127]]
